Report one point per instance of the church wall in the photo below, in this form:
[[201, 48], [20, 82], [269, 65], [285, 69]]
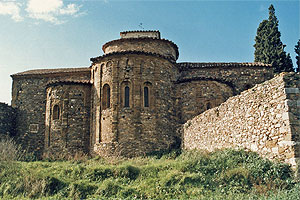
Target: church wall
[[135, 129], [67, 120], [196, 97], [29, 100], [292, 91], [201, 88], [7, 120], [264, 119], [240, 77]]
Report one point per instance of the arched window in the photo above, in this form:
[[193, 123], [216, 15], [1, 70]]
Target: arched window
[[146, 97], [126, 100], [106, 97], [248, 86], [208, 106], [56, 112]]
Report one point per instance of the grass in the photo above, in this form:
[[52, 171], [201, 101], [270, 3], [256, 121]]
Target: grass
[[227, 174]]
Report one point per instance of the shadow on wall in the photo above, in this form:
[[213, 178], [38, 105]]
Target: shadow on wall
[[7, 120]]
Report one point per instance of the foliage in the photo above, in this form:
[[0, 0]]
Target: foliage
[[11, 151], [227, 174], [268, 46], [297, 51]]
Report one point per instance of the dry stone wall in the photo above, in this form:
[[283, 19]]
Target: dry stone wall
[[264, 119], [7, 120]]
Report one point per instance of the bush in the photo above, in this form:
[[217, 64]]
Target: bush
[[10, 151]]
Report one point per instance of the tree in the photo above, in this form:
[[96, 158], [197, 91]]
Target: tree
[[297, 51], [287, 63], [268, 46]]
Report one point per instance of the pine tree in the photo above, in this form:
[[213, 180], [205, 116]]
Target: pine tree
[[297, 51], [268, 46]]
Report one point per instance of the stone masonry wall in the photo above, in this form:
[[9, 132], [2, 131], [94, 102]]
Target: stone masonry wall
[[135, 129], [67, 130], [292, 91], [7, 120], [264, 119], [29, 99], [239, 76], [195, 97], [201, 86]]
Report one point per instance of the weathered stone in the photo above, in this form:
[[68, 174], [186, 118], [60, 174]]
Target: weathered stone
[[273, 137], [136, 99], [7, 120], [291, 90]]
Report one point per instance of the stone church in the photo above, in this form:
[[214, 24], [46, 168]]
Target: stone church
[[131, 101]]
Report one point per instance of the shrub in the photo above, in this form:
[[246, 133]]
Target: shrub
[[9, 150]]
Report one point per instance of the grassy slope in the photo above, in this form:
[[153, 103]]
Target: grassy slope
[[227, 174]]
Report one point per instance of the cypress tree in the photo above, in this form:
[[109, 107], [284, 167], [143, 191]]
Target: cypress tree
[[297, 51], [268, 46], [287, 63]]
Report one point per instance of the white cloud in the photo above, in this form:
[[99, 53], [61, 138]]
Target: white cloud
[[51, 10], [11, 8], [71, 9]]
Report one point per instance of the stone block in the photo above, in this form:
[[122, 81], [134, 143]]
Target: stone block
[[291, 90]]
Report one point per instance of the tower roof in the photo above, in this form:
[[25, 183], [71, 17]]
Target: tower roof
[[140, 34], [144, 41]]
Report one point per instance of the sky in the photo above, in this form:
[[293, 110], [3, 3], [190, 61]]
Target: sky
[[37, 34]]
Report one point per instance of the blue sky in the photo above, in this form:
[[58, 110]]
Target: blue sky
[[56, 33]]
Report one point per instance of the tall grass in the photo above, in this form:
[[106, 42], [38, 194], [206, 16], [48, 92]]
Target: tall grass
[[227, 174], [11, 151]]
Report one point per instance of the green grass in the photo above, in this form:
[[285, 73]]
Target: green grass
[[227, 174]]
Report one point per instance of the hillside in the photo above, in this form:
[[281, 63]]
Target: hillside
[[227, 174]]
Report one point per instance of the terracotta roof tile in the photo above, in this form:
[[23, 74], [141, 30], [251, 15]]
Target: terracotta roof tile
[[189, 65], [50, 83], [132, 52], [51, 71], [140, 31], [142, 38]]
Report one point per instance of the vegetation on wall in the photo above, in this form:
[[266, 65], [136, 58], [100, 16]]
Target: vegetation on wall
[[227, 174], [268, 46]]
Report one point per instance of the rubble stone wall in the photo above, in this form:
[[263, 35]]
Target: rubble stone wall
[[264, 119], [29, 98], [239, 77], [67, 119], [201, 88], [135, 129], [7, 120]]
